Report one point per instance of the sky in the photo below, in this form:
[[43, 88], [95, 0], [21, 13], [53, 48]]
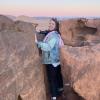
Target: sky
[[50, 7]]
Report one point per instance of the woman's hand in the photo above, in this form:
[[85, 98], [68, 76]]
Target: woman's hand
[[36, 39], [38, 31]]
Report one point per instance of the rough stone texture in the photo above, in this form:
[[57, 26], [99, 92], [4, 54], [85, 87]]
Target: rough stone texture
[[20, 26], [75, 32], [21, 71], [6, 23], [80, 68], [24, 27], [93, 22], [81, 59]]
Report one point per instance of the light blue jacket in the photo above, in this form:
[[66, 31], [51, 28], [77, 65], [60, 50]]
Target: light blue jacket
[[50, 49]]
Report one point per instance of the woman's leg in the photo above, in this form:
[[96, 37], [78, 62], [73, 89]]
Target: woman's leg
[[52, 77], [59, 78]]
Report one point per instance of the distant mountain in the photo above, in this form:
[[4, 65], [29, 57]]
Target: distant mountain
[[24, 18], [41, 18], [11, 17], [31, 19]]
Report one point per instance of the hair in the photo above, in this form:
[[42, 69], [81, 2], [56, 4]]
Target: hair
[[57, 24]]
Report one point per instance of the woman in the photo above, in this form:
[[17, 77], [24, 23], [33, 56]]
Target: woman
[[50, 47]]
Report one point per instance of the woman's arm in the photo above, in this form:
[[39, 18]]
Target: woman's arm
[[47, 46], [36, 39]]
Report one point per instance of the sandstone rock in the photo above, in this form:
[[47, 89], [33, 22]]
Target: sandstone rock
[[94, 23], [21, 71], [24, 27], [75, 32], [20, 26], [80, 69], [6, 23], [66, 30]]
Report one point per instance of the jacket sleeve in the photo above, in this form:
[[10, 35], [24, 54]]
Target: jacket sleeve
[[47, 46], [44, 32]]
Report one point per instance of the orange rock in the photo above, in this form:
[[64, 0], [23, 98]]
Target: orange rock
[[21, 71], [75, 32], [80, 68], [6, 23]]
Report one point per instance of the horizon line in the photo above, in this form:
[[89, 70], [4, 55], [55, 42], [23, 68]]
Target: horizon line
[[50, 15]]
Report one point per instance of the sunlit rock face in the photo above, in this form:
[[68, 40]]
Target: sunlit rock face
[[80, 63], [6, 23], [80, 69], [76, 32], [94, 23], [21, 71]]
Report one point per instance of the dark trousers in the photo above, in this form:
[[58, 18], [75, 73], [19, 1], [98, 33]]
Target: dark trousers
[[55, 79]]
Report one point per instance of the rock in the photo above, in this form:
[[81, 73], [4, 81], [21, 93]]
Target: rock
[[66, 31], [20, 26], [94, 23], [21, 71], [75, 32], [24, 27], [6, 23], [80, 69]]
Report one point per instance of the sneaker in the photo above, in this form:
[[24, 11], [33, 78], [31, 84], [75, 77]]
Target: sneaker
[[60, 91], [53, 98]]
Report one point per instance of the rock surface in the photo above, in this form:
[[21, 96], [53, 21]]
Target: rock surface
[[21, 71], [6, 23], [24, 27], [75, 32], [80, 58], [80, 69]]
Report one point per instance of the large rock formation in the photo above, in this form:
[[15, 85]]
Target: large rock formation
[[94, 23], [75, 32], [24, 27], [80, 69], [80, 64], [21, 72], [6, 23]]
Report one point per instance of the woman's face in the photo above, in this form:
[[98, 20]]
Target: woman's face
[[52, 25]]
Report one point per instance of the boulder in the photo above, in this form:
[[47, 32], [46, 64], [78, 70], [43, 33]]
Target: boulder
[[21, 71], [94, 23], [20, 26], [81, 71], [24, 27], [75, 32], [6, 23]]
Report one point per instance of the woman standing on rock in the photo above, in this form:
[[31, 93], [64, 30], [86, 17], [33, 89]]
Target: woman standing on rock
[[50, 47]]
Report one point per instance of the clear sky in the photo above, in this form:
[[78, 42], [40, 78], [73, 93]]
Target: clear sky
[[50, 7]]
